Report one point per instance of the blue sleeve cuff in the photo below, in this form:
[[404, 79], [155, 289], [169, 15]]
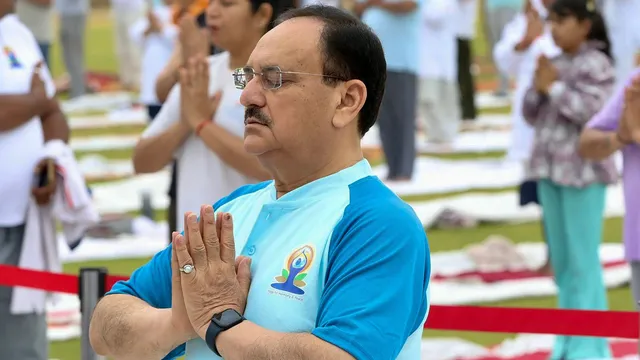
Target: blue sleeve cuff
[[336, 338]]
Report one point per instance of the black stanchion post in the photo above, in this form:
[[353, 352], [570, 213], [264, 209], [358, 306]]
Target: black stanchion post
[[91, 290]]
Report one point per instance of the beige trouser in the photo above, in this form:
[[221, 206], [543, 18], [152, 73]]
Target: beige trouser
[[439, 109], [127, 52]]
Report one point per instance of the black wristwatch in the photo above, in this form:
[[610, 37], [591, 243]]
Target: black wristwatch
[[219, 323]]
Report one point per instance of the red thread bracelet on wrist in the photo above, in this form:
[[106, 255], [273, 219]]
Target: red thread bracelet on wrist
[[201, 126]]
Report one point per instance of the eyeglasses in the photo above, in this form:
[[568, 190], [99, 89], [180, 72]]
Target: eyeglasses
[[270, 77]]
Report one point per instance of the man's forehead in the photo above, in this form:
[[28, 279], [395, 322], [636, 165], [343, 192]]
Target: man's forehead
[[290, 45]]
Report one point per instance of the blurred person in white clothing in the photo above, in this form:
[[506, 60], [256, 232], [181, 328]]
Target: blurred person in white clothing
[[497, 13], [125, 14], [438, 97], [156, 35], [523, 41], [193, 40], [30, 116], [191, 43], [204, 128]]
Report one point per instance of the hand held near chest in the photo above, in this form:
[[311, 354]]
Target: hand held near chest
[[535, 28], [38, 90], [197, 107], [546, 74], [629, 129]]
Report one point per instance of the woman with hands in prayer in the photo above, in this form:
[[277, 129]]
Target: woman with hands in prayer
[[193, 40], [617, 128], [567, 91], [201, 124]]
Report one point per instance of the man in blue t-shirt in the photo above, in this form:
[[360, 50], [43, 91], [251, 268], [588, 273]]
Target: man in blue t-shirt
[[331, 265]]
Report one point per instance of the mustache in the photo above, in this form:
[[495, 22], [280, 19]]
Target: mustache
[[255, 113]]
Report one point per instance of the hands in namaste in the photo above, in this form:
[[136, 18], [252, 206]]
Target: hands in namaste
[[545, 75], [196, 104], [207, 276], [629, 127]]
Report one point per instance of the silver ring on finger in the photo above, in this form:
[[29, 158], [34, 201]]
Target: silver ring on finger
[[187, 269]]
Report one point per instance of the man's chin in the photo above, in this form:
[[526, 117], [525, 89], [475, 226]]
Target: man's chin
[[255, 144]]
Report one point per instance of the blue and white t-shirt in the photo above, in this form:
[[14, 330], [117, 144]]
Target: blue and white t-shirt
[[342, 258]]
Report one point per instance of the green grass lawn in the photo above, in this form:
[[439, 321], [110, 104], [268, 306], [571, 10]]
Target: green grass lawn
[[100, 56]]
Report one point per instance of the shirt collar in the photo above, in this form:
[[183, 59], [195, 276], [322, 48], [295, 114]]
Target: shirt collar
[[323, 185]]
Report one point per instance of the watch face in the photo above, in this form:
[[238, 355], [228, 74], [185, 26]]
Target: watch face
[[226, 318]]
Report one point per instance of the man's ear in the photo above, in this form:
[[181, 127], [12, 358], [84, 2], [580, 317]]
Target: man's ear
[[353, 95], [263, 15]]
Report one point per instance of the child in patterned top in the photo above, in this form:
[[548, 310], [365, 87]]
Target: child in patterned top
[[567, 91]]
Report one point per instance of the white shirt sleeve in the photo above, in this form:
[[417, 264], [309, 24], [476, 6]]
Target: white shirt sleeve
[[136, 31], [168, 115], [505, 56]]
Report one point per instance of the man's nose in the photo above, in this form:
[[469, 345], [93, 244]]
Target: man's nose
[[253, 94]]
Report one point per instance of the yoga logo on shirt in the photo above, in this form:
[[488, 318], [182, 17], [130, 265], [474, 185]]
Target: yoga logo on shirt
[[13, 59], [291, 280]]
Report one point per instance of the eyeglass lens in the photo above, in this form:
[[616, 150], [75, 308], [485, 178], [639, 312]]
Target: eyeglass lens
[[270, 78]]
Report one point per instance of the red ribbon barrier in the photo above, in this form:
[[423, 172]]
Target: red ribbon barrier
[[62, 283], [616, 324]]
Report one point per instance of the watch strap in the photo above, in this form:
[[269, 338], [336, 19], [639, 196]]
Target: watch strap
[[216, 327]]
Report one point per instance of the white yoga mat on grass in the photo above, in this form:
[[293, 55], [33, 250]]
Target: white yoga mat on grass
[[465, 142], [115, 118], [103, 143], [98, 102], [125, 195]]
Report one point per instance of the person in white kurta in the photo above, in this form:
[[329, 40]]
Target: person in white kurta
[[523, 40], [156, 35], [125, 14], [514, 57], [438, 98], [29, 116]]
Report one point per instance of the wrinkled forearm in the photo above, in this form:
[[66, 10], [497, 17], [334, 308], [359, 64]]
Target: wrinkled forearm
[[248, 341], [598, 145], [154, 153], [165, 82], [168, 78], [17, 110], [126, 328], [54, 123]]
